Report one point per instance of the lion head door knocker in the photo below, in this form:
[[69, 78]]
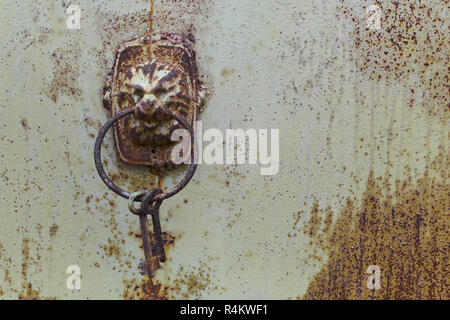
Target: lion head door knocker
[[154, 90]]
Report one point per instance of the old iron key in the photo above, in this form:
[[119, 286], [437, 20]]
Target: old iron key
[[153, 246]]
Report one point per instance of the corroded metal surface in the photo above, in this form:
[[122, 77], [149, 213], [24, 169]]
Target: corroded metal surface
[[363, 179]]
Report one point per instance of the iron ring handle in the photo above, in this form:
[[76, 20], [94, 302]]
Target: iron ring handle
[[112, 186]]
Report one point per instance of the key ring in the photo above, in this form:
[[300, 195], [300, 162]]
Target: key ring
[[147, 200], [112, 186]]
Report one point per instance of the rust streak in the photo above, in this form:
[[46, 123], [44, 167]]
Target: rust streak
[[405, 234]]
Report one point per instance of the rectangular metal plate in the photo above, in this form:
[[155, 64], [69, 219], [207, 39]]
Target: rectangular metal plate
[[163, 71]]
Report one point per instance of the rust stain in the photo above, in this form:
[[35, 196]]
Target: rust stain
[[142, 182], [30, 264], [405, 233], [112, 249], [144, 290], [2, 253], [188, 284], [411, 47], [27, 292], [150, 17], [25, 124], [401, 227], [53, 230], [65, 75], [173, 16]]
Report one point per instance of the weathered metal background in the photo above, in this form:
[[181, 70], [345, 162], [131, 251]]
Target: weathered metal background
[[363, 119]]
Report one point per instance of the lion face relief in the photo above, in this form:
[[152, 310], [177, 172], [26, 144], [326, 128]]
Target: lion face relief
[[153, 75], [150, 89]]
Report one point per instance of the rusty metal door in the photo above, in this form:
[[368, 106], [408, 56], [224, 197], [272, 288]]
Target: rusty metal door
[[358, 209]]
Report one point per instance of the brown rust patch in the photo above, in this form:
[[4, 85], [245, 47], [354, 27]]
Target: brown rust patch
[[28, 260], [24, 124], [29, 294], [53, 230], [189, 284], [404, 232], [411, 47], [144, 290], [112, 249], [65, 75], [150, 17]]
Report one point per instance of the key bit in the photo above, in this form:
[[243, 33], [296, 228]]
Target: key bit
[[154, 249], [147, 266], [158, 249]]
